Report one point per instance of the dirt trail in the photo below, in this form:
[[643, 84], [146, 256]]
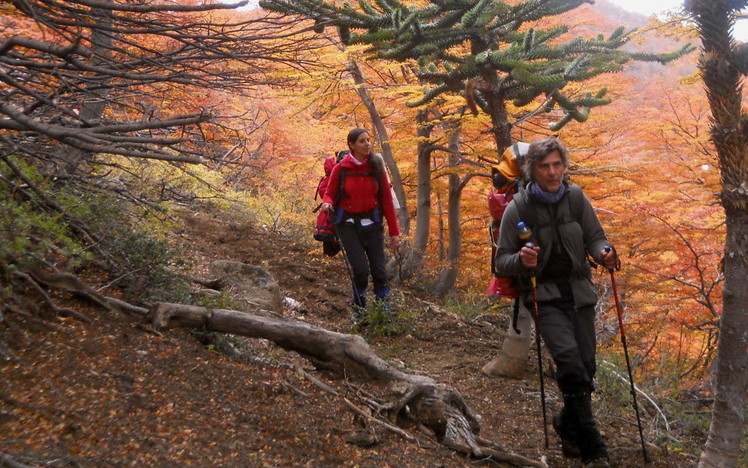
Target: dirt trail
[[111, 393]]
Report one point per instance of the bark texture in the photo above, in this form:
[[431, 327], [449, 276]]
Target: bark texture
[[721, 71]]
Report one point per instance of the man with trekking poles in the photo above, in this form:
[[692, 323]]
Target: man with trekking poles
[[554, 274]]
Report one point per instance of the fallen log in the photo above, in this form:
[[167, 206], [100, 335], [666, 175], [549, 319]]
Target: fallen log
[[419, 398]]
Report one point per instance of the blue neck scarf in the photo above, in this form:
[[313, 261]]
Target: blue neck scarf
[[545, 197]]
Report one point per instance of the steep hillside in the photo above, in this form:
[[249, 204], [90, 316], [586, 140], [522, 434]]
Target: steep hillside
[[114, 392]]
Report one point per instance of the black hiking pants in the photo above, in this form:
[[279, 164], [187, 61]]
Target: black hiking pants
[[364, 247], [569, 335]]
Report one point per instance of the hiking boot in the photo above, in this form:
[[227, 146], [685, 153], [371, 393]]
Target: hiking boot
[[569, 447], [586, 434], [601, 462]]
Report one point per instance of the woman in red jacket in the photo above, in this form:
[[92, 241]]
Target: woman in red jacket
[[360, 198]]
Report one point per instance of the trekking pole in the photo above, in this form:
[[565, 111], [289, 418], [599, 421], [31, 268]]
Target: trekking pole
[[348, 267], [524, 234], [619, 311]]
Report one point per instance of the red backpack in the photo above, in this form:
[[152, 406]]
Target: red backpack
[[505, 176], [499, 285], [324, 230]]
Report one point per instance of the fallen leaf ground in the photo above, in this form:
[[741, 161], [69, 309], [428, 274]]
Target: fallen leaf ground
[[111, 393]]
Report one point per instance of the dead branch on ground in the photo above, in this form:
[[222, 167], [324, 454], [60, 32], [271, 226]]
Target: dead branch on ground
[[436, 406], [71, 283]]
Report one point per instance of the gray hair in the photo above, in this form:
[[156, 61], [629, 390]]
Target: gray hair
[[539, 150]]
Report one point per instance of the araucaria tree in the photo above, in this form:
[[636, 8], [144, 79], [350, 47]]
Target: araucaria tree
[[723, 67], [486, 50]]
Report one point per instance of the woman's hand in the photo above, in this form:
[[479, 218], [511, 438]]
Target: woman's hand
[[395, 242], [326, 207]]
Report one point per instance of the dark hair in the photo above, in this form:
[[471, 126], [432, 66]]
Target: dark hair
[[354, 134], [375, 161], [539, 150]]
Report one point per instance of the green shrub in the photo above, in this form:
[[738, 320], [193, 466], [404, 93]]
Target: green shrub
[[385, 318], [28, 233], [469, 307], [134, 248]]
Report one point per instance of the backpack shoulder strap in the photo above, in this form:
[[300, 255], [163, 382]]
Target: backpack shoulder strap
[[381, 169], [576, 202], [525, 208], [341, 186]]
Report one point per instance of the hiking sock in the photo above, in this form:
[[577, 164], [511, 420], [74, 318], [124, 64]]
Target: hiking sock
[[382, 293]]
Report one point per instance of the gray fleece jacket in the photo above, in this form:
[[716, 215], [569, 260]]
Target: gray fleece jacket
[[577, 239]]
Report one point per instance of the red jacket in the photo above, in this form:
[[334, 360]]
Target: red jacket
[[361, 191]]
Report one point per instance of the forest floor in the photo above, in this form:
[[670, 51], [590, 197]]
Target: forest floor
[[114, 393]]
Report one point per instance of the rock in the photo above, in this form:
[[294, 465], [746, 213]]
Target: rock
[[251, 284]]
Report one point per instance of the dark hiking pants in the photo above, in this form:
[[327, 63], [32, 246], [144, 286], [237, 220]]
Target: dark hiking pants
[[569, 335], [364, 247]]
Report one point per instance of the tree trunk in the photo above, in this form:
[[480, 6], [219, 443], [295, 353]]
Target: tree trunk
[[512, 359], [414, 257], [384, 143], [442, 233], [501, 128], [722, 78], [95, 99], [448, 276], [436, 406], [423, 190]]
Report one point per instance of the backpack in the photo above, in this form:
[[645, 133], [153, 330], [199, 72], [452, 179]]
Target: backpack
[[506, 177], [324, 229]]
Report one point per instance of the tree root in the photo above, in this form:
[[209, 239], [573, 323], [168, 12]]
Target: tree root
[[61, 311], [7, 460], [436, 406], [71, 283], [495, 455]]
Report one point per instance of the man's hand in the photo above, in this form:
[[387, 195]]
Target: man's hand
[[609, 258], [326, 207], [529, 257], [395, 242]]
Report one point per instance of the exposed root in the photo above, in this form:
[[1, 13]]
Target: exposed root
[[7, 460], [436, 406], [71, 283], [498, 456], [61, 311], [384, 424]]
